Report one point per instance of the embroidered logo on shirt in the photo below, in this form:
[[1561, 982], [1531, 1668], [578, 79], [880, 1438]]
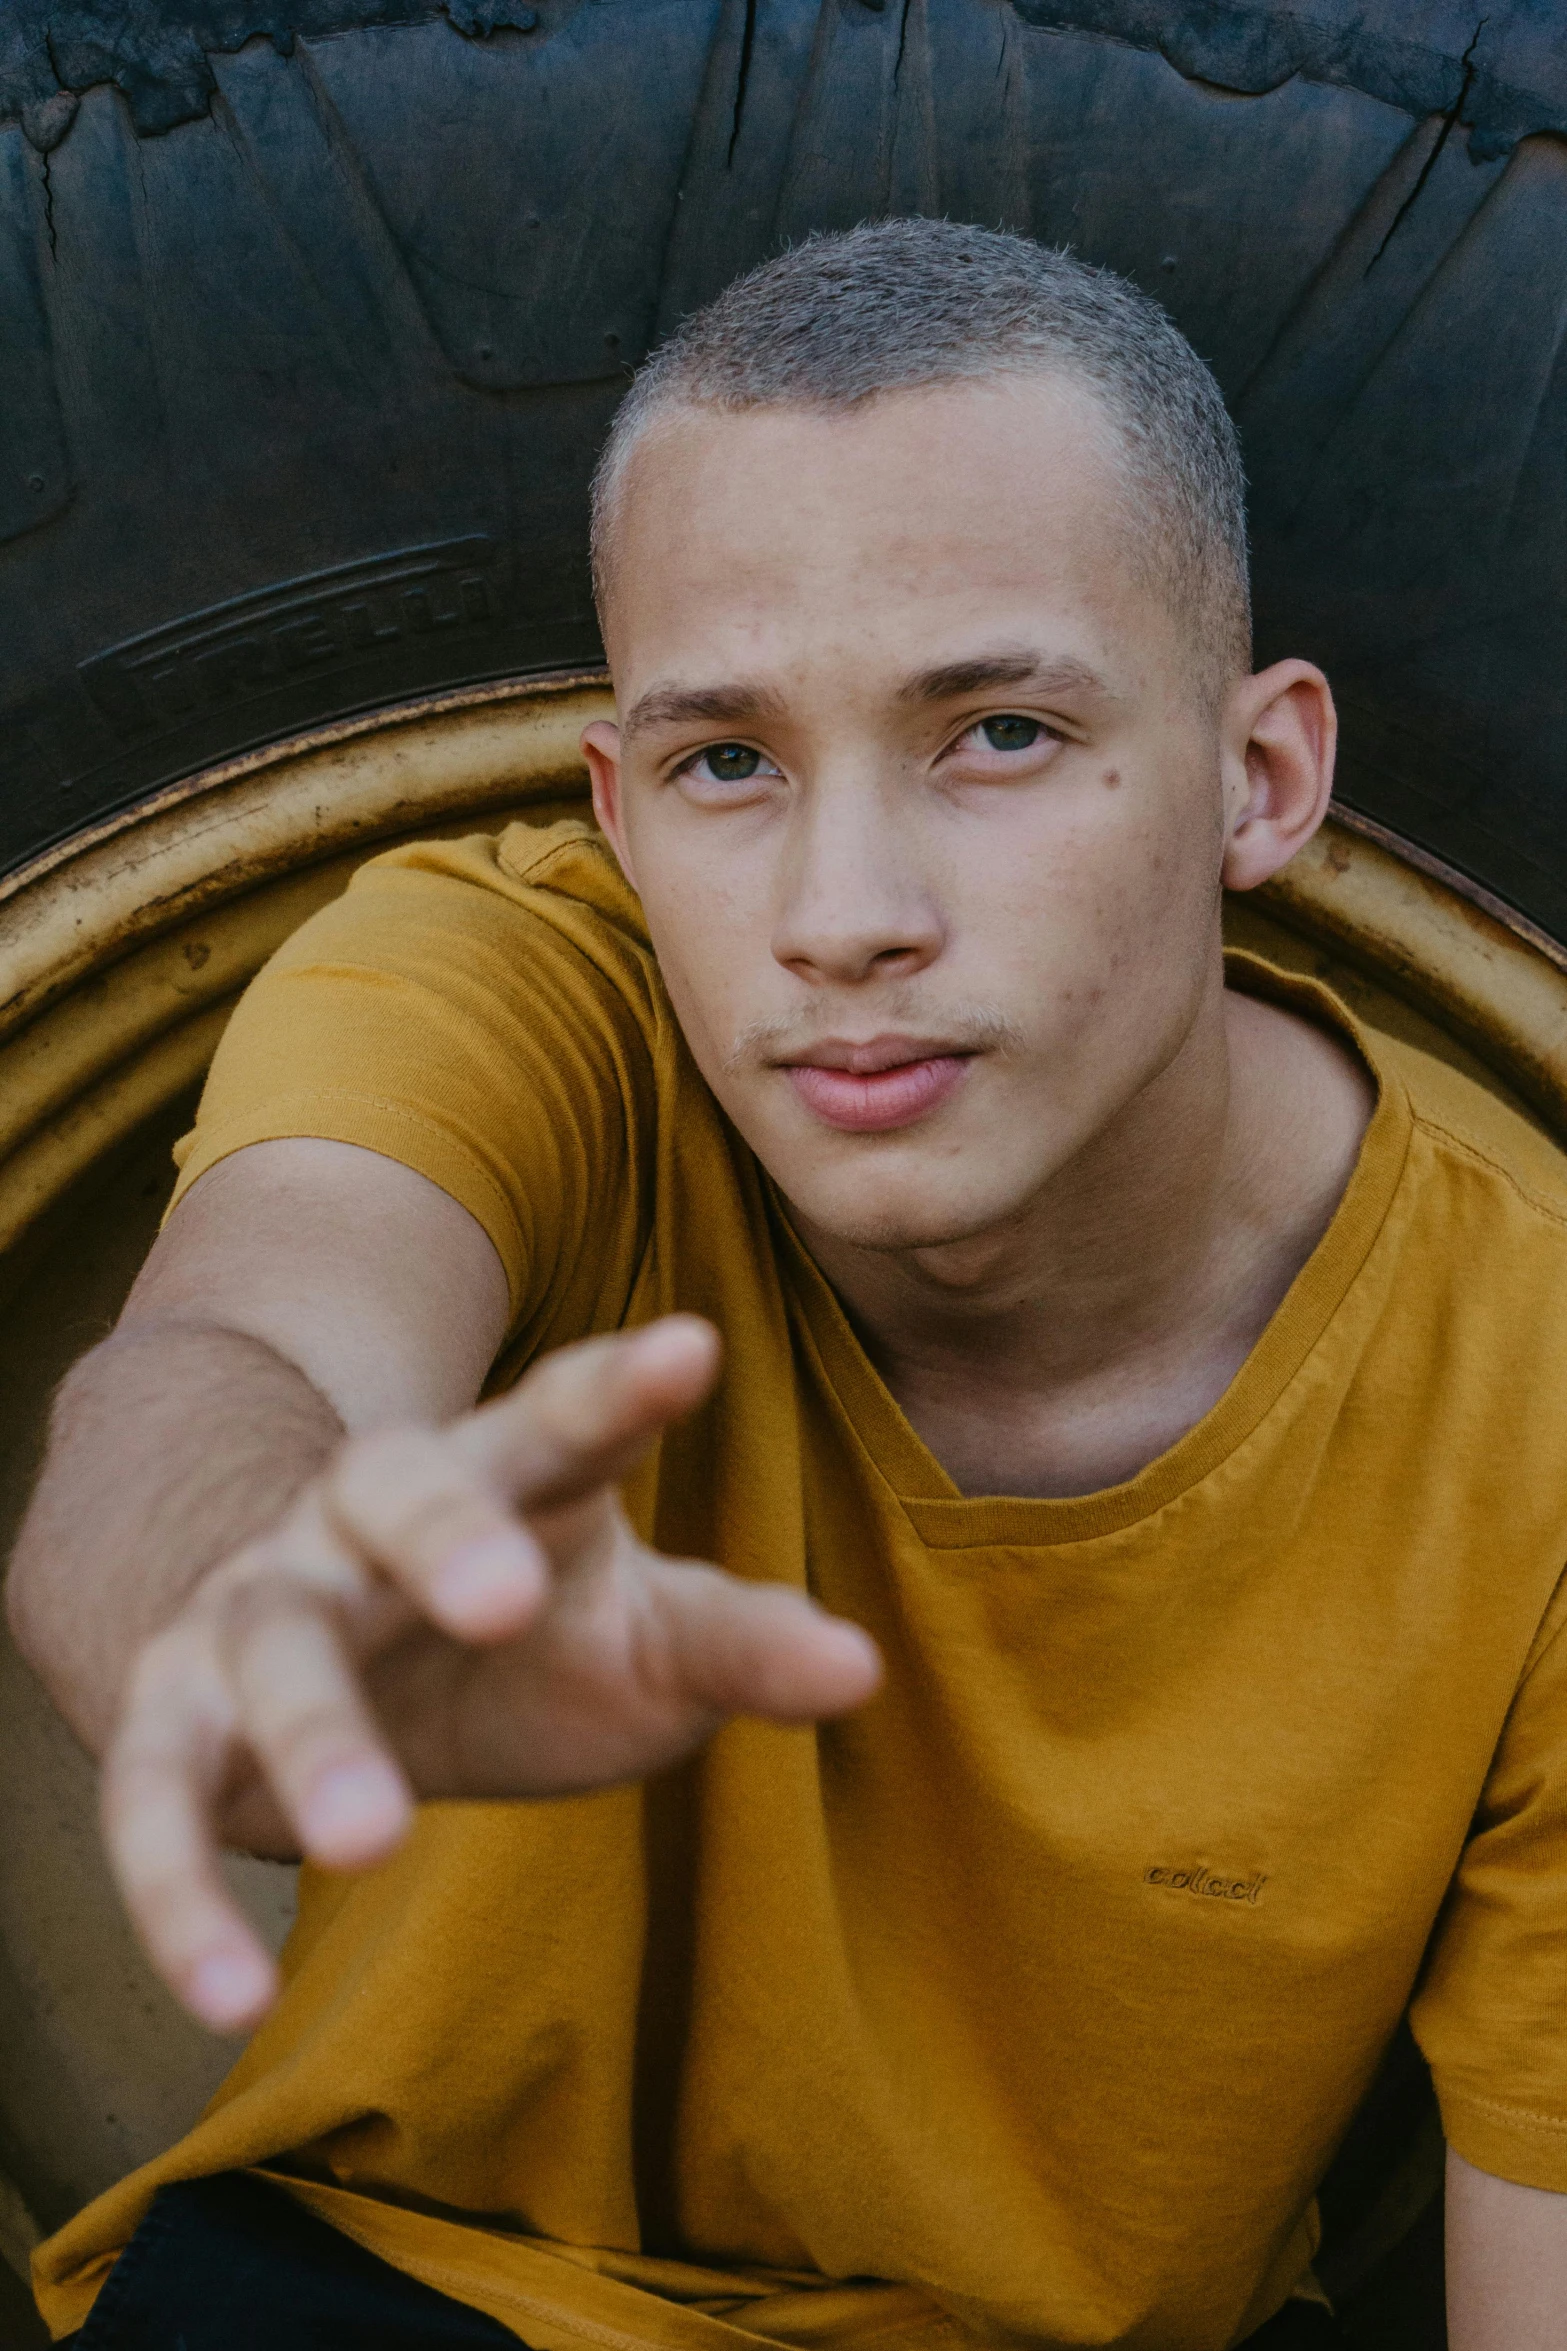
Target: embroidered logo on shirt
[[1209, 1882]]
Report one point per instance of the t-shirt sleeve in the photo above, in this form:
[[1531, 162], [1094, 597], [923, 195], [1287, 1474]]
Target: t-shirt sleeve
[[1491, 2009], [485, 1012]]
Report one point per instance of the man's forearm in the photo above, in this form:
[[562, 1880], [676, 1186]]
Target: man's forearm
[[1506, 2263], [170, 1444]]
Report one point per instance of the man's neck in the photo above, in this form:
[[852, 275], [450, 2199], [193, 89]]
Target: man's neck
[[1064, 1353]]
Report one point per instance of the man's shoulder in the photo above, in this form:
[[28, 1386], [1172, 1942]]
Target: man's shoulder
[[1472, 1128], [538, 909], [572, 859], [561, 864]]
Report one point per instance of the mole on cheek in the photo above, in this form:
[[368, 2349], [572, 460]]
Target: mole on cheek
[[1110, 778]]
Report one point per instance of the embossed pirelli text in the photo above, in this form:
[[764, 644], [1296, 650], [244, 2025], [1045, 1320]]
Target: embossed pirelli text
[[329, 620]]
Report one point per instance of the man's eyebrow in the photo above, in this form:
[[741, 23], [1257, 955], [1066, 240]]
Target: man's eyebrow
[[1042, 673], [734, 705], [740, 702]]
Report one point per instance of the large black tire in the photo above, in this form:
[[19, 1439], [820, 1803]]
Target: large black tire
[[312, 313]]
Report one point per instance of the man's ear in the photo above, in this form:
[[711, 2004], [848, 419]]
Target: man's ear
[[601, 750], [1278, 736]]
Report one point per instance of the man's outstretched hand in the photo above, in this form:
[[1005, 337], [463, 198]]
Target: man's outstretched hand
[[443, 1612]]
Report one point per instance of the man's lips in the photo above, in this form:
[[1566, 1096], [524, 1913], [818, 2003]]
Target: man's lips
[[871, 1088]]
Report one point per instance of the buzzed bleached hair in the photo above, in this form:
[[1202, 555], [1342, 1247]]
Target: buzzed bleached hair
[[899, 304]]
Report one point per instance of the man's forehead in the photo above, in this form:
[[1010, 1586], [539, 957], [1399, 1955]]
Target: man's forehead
[[1002, 440], [724, 521], [760, 551]]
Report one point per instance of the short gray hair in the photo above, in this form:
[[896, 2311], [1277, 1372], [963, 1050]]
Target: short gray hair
[[898, 304]]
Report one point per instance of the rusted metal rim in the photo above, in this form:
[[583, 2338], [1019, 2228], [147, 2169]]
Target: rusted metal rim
[[122, 953], [213, 836], [291, 747], [1462, 885], [1441, 944]]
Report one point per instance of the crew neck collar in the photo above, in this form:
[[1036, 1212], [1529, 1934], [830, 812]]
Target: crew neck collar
[[944, 1518]]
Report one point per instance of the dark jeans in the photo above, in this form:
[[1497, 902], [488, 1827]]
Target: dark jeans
[[229, 2264]]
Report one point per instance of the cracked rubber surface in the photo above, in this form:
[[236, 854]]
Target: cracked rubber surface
[[314, 312]]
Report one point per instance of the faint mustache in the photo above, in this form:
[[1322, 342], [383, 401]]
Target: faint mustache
[[956, 1028]]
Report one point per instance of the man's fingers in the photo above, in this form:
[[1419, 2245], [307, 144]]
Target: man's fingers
[[301, 1715], [436, 1510], [260, 1669], [434, 1521], [159, 1783], [260, 1666], [736, 1648], [584, 1415]]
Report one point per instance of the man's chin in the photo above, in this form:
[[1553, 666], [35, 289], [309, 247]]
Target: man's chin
[[865, 1211]]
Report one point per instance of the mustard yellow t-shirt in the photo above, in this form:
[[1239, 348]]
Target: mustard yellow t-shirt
[[1028, 2004]]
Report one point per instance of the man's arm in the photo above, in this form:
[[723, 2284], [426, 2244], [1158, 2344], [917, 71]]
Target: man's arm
[[287, 1593], [300, 1290], [1506, 2263]]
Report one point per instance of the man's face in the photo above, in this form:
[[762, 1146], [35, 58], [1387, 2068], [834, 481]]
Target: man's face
[[919, 789]]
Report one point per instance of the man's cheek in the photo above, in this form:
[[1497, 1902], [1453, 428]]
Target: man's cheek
[[707, 991]]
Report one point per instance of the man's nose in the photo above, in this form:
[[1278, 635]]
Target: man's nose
[[855, 896]]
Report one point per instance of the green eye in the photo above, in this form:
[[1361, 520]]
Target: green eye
[[732, 763], [1010, 734]]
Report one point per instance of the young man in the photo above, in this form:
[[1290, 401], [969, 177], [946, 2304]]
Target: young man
[[1137, 1469]]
